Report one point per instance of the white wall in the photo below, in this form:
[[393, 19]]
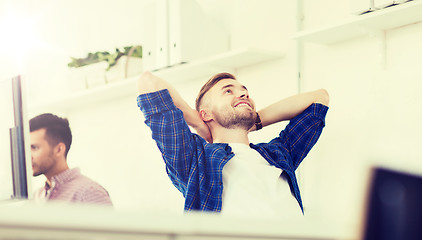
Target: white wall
[[43, 35], [113, 146], [373, 117]]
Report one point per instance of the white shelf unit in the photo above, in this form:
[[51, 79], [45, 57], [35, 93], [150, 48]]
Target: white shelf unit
[[229, 61], [35, 221], [369, 23]]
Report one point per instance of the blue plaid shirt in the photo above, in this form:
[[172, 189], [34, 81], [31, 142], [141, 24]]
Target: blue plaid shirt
[[196, 167]]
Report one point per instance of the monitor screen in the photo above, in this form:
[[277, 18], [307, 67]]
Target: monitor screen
[[394, 209], [15, 159]]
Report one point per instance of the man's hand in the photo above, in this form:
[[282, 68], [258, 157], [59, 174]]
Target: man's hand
[[194, 120], [204, 132]]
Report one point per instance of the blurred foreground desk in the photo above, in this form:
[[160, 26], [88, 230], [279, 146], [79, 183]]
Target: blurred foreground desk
[[29, 221]]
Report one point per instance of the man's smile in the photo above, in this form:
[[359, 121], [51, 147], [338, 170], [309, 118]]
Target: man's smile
[[243, 104]]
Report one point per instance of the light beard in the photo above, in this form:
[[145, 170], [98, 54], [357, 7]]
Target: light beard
[[45, 166], [36, 173], [236, 120]]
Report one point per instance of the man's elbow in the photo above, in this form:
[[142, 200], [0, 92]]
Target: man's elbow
[[147, 82], [323, 97]]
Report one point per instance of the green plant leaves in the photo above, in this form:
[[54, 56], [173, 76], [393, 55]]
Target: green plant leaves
[[110, 58]]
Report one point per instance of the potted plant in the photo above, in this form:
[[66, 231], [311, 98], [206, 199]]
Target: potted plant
[[102, 67]]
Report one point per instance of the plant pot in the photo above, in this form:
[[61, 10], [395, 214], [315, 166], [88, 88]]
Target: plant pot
[[124, 68], [87, 76]]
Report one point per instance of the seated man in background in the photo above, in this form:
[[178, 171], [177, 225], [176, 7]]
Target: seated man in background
[[51, 138], [219, 169]]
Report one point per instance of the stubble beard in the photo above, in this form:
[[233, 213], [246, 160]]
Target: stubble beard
[[236, 120], [43, 167]]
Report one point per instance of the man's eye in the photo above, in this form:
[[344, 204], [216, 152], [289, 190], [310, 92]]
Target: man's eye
[[228, 91]]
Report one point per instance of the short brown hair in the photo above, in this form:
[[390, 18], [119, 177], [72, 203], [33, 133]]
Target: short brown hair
[[57, 129], [209, 84]]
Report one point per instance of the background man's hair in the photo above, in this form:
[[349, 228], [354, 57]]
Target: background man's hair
[[209, 84], [57, 129]]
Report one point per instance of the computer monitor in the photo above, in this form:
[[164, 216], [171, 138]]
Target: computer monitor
[[15, 155], [394, 206]]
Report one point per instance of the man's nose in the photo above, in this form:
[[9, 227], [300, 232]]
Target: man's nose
[[244, 95]]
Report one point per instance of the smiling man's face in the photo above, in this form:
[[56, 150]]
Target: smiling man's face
[[230, 104]]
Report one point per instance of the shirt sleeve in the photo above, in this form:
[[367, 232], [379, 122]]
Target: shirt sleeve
[[171, 133], [96, 195], [303, 131]]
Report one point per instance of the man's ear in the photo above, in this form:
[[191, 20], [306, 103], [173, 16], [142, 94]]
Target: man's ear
[[60, 149], [206, 116]]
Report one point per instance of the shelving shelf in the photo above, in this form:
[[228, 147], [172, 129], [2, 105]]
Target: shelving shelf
[[45, 221], [369, 23], [229, 61]]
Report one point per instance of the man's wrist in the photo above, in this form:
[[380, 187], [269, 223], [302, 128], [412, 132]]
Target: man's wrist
[[258, 123]]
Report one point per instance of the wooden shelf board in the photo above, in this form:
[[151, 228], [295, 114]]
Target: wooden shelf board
[[358, 26]]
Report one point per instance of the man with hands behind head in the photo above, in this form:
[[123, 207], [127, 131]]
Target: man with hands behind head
[[218, 169]]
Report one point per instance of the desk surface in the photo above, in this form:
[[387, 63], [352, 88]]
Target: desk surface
[[24, 220]]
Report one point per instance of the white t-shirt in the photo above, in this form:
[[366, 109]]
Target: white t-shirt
[[254, 188]]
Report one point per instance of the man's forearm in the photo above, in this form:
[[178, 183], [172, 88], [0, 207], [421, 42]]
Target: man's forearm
[[290, 107], [150, 83]]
